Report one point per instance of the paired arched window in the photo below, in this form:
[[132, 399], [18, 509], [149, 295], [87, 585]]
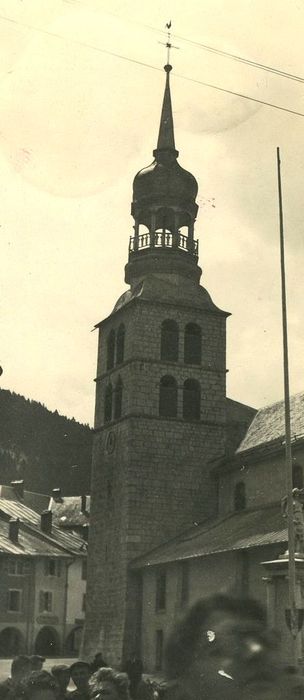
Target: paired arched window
[[108, 403], [193, 344], [169, 341], [239, 496], [297, 476], [120, 344], [118, 398], [191, 400], [111, 349], [168, 397]]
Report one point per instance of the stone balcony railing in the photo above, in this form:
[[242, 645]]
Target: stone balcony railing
[[163, 240]]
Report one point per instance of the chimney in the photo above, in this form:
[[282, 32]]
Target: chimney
[[46, 521], [18, 487], [85, 532], [13, 529], [56, 495], [83, 506]]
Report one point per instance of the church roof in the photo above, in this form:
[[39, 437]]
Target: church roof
[[268, 424], [236, 531]]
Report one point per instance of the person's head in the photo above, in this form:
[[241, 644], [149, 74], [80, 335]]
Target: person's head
[[37, 662], [39, 685], [107, 684], [21, 668], [61, 673], [221, 632], [98, 659], [80, 673]]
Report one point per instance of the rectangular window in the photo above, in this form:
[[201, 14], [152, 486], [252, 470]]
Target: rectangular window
[[45, 601], [184, 582], [161, 586], [18, 567], [52, 567], [14, 600], [159, 647], [84, 567]]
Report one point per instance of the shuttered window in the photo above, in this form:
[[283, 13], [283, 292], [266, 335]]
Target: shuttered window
[[45, 601]]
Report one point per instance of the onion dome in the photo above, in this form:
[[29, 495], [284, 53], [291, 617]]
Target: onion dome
[[164, 210], [165, 183]]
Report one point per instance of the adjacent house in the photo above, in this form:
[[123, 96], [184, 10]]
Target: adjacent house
[[42, 583]]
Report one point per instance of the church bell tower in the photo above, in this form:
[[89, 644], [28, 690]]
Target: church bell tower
[[160, 399]]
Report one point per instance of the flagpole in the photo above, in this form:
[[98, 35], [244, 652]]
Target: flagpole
[[288, 455]]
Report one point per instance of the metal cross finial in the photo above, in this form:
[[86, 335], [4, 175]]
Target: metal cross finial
[[168, 44]]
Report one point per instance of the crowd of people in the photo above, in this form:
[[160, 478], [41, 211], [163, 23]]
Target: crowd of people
[[29, 681], [221, 649]]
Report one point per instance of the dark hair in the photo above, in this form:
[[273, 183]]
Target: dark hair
[[119, 680], [37, 680], [186, 636], [20, 662], [79, 664]]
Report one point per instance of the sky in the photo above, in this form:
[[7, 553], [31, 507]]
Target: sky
[[78, 120]]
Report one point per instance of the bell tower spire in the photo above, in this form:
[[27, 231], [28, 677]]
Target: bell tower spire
[[164, 209], [166, 128]]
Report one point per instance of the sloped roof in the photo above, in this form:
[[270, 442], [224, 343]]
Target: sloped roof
[[71, 542], [268, 424], [29, 543], [67, 512], [36, 501], [243, 530]]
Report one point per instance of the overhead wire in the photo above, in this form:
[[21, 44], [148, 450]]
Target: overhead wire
[[148, 65], [241, 59], [205, 47]]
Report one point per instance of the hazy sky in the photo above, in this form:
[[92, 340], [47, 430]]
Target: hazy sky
[[76, 124]]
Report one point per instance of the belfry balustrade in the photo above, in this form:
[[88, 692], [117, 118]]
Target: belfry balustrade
[[163, 239]]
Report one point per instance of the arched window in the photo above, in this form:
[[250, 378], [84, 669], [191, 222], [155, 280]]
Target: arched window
[[240, 496], [120, 344], [168, 397], [191, 400], [110, 349], [108, 404], [169, 341], [193, 344], [118, 398], [297, 476]]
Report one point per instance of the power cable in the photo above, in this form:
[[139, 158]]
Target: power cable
[[205, 47], [148, 65], [240, 59]]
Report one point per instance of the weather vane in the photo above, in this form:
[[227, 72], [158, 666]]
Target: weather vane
[[168, 44]]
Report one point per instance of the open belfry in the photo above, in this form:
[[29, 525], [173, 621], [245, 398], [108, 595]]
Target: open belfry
[[160, 398]]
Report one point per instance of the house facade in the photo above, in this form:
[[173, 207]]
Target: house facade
[[42, 583]]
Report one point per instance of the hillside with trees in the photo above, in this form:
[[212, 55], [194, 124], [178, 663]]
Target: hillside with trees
[[42, 447]]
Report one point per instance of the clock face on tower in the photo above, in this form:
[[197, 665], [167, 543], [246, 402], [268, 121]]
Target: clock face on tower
[[110, 442]]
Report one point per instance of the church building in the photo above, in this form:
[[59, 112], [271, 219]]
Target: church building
[[176, 512], [161, 408]]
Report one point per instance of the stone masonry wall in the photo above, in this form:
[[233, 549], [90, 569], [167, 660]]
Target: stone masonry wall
[[150, 474]]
